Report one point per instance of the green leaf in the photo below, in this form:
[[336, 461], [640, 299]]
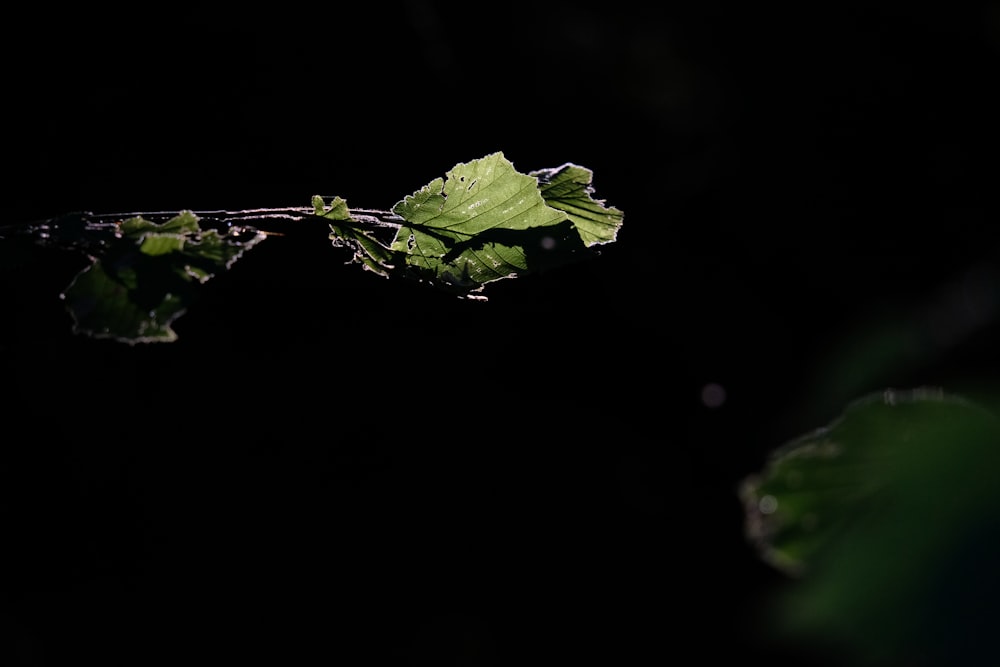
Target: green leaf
[[369, 251], [335, 210], [143, 282], [363, 239], [103, 304], [161, 244], [568, 188], [485, 222], [477, 197], [888, 521], [184, 222]]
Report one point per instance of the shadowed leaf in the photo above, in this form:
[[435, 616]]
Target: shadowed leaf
[[889, 520]]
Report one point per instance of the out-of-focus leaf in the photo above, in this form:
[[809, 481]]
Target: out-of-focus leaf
[[143, 281], [889, 521], [104, 305], [184, 222]]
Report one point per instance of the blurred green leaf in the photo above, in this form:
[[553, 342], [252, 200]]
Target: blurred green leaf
[[889, 521], [143, 281]]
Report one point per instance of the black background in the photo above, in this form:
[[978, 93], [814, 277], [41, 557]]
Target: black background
[[329, 467]]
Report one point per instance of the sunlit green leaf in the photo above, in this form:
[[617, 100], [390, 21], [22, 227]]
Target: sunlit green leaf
[[568, 188], [184, 222], [476, 197], [335, 210], [486, 221], [361, 237]]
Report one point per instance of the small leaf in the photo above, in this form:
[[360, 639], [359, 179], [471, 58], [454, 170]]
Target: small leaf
[[346, 231], [368, 249], [336, 210]]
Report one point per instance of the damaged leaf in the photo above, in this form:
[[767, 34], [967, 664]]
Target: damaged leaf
[[485, 221], [140, 285]]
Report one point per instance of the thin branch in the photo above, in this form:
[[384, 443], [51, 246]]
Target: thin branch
[[361, 216]]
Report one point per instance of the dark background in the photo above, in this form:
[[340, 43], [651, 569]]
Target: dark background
[[332, 467]]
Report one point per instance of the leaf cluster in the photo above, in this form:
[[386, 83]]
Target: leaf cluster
[[483, 221]]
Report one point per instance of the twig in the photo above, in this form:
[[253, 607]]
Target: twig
[[99, 221]]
